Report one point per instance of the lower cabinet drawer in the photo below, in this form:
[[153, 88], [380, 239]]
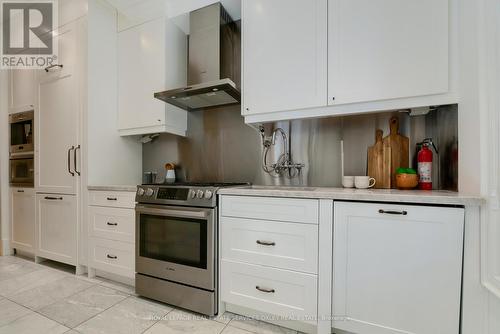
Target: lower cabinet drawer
[[112, 256], [115, 199], [281, 245], [295, 210], [279, 292], [112, 223]]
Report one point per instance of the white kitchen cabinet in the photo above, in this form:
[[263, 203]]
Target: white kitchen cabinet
[[387, 49], [112, 223], [271, 208], [111, 256], [284, 55], [111, 232], [275, 244], [22, 211], [56, 227], [57, 120], [269, 250], [305, 59], [397, 268], [112, 199], [21, 90], [152, 57], [280, 292]]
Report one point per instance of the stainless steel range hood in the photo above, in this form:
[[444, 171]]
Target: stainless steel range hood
[[214, 49]]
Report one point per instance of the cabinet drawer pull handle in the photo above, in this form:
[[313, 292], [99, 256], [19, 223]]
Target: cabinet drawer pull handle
[[112, 224], [266, 243], [54, 198], [265, 290], [20, 191], [114, 257], [111, 198], [389, 212], [48, 68]]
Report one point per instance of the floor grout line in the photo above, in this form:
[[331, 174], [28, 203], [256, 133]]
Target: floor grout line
[[157, 321], [100, 312], [108, 284]]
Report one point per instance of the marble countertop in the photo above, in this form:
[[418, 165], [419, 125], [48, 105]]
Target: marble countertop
[[381, 195], [113, 188]]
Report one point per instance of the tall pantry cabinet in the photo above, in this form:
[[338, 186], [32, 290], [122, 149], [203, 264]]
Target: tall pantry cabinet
[[58, 107], [77, 142]]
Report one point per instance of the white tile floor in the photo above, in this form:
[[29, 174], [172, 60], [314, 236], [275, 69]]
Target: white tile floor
[[46, 298]]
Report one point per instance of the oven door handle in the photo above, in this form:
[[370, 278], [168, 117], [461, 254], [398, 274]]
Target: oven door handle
[[171, 212]]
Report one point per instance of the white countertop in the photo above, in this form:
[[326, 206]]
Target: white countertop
[[381, 195], [127, 188]]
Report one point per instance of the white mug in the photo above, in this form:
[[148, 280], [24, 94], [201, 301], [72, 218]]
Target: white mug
[[170, 177], [364, 182], [348, 181]]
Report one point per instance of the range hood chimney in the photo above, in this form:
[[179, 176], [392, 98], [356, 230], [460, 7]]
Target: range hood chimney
[[213, 45]]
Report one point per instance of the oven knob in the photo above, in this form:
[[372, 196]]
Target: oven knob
[[149, 192], [192, 193], [199, 194], [140, 191], [208, 194]]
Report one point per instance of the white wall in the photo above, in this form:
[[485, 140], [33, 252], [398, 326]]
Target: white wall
[[4, 164], [479, 160], [111, 159]]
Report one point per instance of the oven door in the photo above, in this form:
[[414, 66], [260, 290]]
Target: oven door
[[176, 244], [22, 172], [21, 133]]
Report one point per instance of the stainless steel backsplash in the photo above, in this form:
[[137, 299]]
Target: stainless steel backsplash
[[219, 146]]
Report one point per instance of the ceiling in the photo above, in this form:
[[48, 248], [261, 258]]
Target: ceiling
[[179, 7], [135, 11]]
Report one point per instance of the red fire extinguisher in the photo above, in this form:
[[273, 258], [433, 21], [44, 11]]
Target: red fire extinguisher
[[424, 159]]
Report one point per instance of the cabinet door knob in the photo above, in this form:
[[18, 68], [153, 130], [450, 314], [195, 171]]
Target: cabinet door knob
[[391, 212], [265, 290], [113, 257], [266, 243]]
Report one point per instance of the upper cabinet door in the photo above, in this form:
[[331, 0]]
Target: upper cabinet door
[[141, 65], [387, 49], [284, 55], [151, 58], [21, 90], [57, 120]]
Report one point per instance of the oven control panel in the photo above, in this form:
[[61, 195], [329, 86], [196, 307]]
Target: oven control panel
[[190, 196], [179, 194]]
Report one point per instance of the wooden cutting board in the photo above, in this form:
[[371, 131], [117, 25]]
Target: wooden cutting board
[[379, 162], [399, 146]]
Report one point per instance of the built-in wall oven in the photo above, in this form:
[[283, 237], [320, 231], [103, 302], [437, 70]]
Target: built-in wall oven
[[21, 133], [22, 171], [176, 245]]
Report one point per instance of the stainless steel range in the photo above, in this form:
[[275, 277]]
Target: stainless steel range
[[176, 244]]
